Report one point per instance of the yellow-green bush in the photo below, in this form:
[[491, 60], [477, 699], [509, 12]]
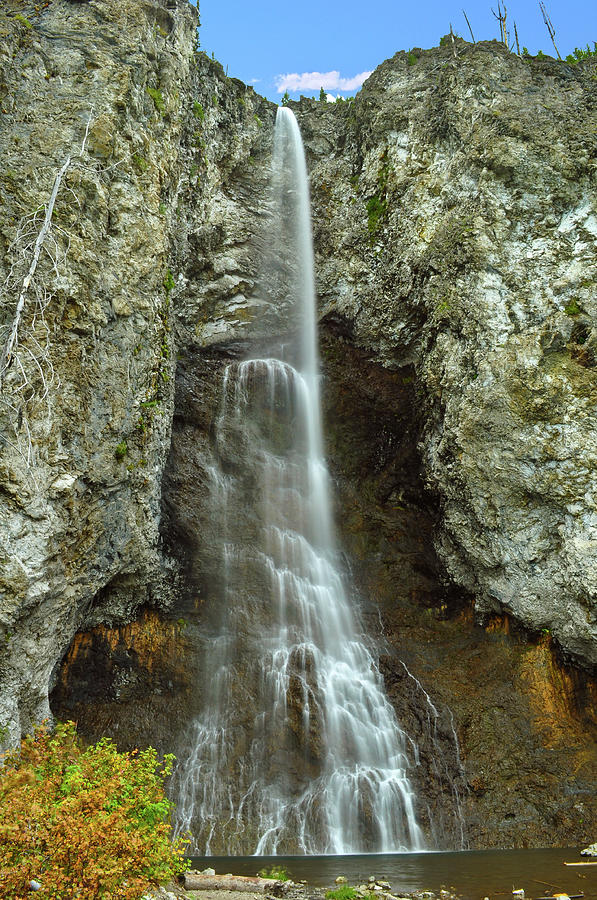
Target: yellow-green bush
[[85, 822]]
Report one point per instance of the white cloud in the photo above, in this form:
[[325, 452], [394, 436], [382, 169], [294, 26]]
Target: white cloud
[[313, 81], [254, 80]]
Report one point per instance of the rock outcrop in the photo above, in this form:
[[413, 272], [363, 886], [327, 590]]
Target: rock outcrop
[[456, 230], [114, 104]]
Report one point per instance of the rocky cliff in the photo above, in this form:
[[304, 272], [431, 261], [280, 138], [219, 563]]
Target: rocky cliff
[[455, 229], [99, 102]]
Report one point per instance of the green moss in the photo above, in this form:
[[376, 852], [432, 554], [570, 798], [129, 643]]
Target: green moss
[[169, 281], [198, 111], [121, 451], [158, 99], [376, 210], [258, 120], [140, 163], [23, 21], [572, 308]]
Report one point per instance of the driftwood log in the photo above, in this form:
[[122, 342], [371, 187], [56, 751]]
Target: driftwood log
[[196, 881]]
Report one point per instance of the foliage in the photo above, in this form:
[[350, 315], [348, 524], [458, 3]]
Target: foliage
[[285, 99], [158, 99], [581, 53], [198, 111], [344, 892], [121, 451], [278, 873], [84, 822], [377, 205], [322, 94], [411, 58]]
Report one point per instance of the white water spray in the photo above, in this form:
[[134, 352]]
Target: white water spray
[[298, 750]]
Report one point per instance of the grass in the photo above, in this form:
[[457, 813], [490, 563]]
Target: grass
[[344, 892], [276, 873]]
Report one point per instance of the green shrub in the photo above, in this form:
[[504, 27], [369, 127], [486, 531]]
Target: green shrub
[[581, 53], [121, 451], [85, 822], [198, 111]]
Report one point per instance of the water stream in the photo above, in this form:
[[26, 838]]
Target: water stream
[[297, 749]]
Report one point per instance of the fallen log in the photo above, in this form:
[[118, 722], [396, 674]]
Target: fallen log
[[197, 881]]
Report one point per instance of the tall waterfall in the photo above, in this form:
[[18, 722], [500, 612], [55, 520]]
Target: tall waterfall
[[297, 749]]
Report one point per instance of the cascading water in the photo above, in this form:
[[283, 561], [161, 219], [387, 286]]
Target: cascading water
[[297, 749]]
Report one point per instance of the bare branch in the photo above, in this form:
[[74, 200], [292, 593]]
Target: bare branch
[[501, 17], [469, 26], [30, 363], [453, 41], [550, 28], [44, 232], [516, 38]]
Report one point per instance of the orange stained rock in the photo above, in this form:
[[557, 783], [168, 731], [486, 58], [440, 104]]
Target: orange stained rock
[[153, 639], [559, 698]]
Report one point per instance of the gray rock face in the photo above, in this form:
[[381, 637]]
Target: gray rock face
[[456, 231], [87, 399], [153, 212]]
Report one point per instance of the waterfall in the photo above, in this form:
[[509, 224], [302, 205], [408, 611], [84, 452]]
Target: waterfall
[[297, 749]]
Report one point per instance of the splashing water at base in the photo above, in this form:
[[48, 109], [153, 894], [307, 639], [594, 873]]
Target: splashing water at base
[[297, 750]]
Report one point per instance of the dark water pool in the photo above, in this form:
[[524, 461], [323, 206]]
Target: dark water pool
[[474, 874]]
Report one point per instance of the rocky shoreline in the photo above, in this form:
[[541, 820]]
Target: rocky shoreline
[[209, 886]]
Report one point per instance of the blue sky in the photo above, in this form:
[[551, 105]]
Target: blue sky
[[260, 42]]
